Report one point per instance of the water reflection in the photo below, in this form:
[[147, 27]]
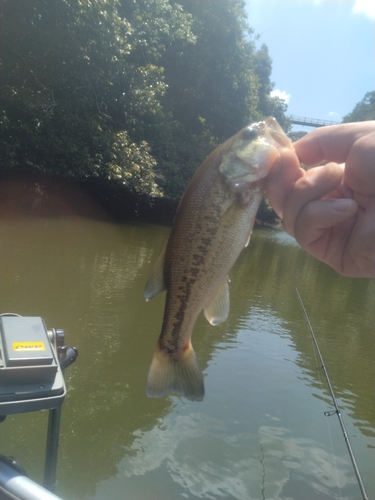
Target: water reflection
[[251, 466], [342, 312], [259, 431]]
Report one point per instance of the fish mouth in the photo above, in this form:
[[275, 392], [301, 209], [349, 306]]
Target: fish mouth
[[272, 128], [281, 139], [252, 153], [244, 186]]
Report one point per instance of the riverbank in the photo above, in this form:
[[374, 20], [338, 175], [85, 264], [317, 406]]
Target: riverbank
[[37, 194]]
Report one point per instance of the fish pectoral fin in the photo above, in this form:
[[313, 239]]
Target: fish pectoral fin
[[175, 372], [217, 310], [248, 239], [155, 283]]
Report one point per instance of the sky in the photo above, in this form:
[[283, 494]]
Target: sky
[[323, 52]]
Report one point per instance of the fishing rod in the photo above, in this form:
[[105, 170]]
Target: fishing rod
[[337, 409]]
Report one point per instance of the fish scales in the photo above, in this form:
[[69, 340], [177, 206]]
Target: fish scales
[[212, 225], [200, 254]]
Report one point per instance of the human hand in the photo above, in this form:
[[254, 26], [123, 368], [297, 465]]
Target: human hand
[[330, 209]]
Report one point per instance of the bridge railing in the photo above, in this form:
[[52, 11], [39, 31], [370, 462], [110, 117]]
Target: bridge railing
[[311, 122]]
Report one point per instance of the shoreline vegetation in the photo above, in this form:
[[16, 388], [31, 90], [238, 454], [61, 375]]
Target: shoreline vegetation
[[126, 99], [122, 100], [32, 194]]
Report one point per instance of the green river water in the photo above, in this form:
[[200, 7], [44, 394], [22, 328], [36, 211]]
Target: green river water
[[260, 432]]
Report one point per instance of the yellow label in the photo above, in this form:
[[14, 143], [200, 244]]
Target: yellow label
[[28, 346]]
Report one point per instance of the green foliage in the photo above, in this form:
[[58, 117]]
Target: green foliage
[[217, 84], [70, 86], [132, 164], [122, 89], [363, 110], [209, 82], [269, 106], [157, 24]]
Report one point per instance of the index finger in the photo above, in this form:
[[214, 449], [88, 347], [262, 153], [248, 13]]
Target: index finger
[[285, 172], [331, 143]]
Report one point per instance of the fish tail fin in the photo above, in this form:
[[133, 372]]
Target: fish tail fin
[[175, 372]]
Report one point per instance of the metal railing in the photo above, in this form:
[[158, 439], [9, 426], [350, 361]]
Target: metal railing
[[15, 486], [311, 122]]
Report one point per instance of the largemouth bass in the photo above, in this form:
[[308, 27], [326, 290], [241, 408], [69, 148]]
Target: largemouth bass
[[213, 223]]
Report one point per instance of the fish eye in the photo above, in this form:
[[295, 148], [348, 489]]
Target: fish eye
[[249, 133]]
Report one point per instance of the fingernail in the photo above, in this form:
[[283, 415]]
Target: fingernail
[[343, 205]]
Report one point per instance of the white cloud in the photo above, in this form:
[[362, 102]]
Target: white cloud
[[281, 94], [185, 447], [366, 7]]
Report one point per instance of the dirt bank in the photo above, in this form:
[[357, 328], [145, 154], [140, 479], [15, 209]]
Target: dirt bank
[[26, 194]]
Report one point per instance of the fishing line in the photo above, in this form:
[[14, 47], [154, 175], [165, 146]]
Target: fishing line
[[337, 409], [327, 413], [326, 403]]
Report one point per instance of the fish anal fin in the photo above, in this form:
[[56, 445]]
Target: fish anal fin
[[217, 310], [175, 372], [155, 283]]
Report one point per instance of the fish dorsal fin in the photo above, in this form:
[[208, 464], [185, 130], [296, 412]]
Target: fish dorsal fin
[[217, 310], [155, 283]]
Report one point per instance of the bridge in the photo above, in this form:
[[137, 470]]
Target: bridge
[[311, 122]]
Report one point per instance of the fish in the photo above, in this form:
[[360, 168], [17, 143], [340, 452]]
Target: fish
[[212, 225]]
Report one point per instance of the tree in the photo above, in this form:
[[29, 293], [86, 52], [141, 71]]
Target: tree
[[124, 88], [71, 86], [216, 84], [269, 106], [363, 110]]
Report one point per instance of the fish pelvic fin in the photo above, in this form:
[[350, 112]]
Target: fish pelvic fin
[[175, 372], [155, 283]]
